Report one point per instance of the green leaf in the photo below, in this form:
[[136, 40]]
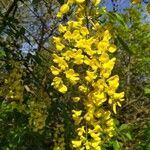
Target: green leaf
[[145, 59], [116, 17], [128, 135], [147, 91], [2, 53], [121, 41], [115, 145], [124, 127], [61, 1]]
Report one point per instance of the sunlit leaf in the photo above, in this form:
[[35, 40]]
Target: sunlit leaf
[[115, 145]]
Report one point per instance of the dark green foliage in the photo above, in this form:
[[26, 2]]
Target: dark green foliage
[[34, 29]]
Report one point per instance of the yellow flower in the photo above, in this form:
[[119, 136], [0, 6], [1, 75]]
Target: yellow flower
[[95, 64], [81, 43], [98, 114], [81, 131], [97, 26], [113, 80], [64, 8], [82, 88], [76, 35], [58, 84], [60, 61], [114, 103], [109, 131], [96, 2], [115, 99], [99, 85], [90, 76], [87, 145], [113, 84], [106, 36], [87, 61], [91, 41], [88, 50], [89, 115], [72, 76], [59, 14], [98, 148], [105, 73], [99, 98], [94, 135], [77, 116], [67, 35], [110, 122], [56, 39], [119, 104], [110, 101], [111, 90], [110, 64], [74, 24], [112, 48], [62, 88], [78, 57], [118, 95], [79, 1], [54, 70], [95, 144], [76, 113], [76, 99], [76, 144], [102, 46], [69, 54], [104, 57], [97, 128], [62, 28], [84, 31], [114, 108], [59, 45]]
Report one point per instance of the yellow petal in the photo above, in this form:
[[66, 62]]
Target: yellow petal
[[76, 144], [63, 89], [119, 104], [95, 144], [59, 14], [84, 31], [64, 8], [96, 2], [54, 70], [114, 108], [112, 49], [62, 28], [76, 99], [79, 1]]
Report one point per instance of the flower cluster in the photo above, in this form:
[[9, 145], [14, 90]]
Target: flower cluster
[[38, 115], [59, 143], [15, 89], [37, 111], [82, 68]]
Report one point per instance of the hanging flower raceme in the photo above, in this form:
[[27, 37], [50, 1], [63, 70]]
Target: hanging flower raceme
[[82, 61]]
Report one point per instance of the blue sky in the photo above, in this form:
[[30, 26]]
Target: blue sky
[[123, 4]]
